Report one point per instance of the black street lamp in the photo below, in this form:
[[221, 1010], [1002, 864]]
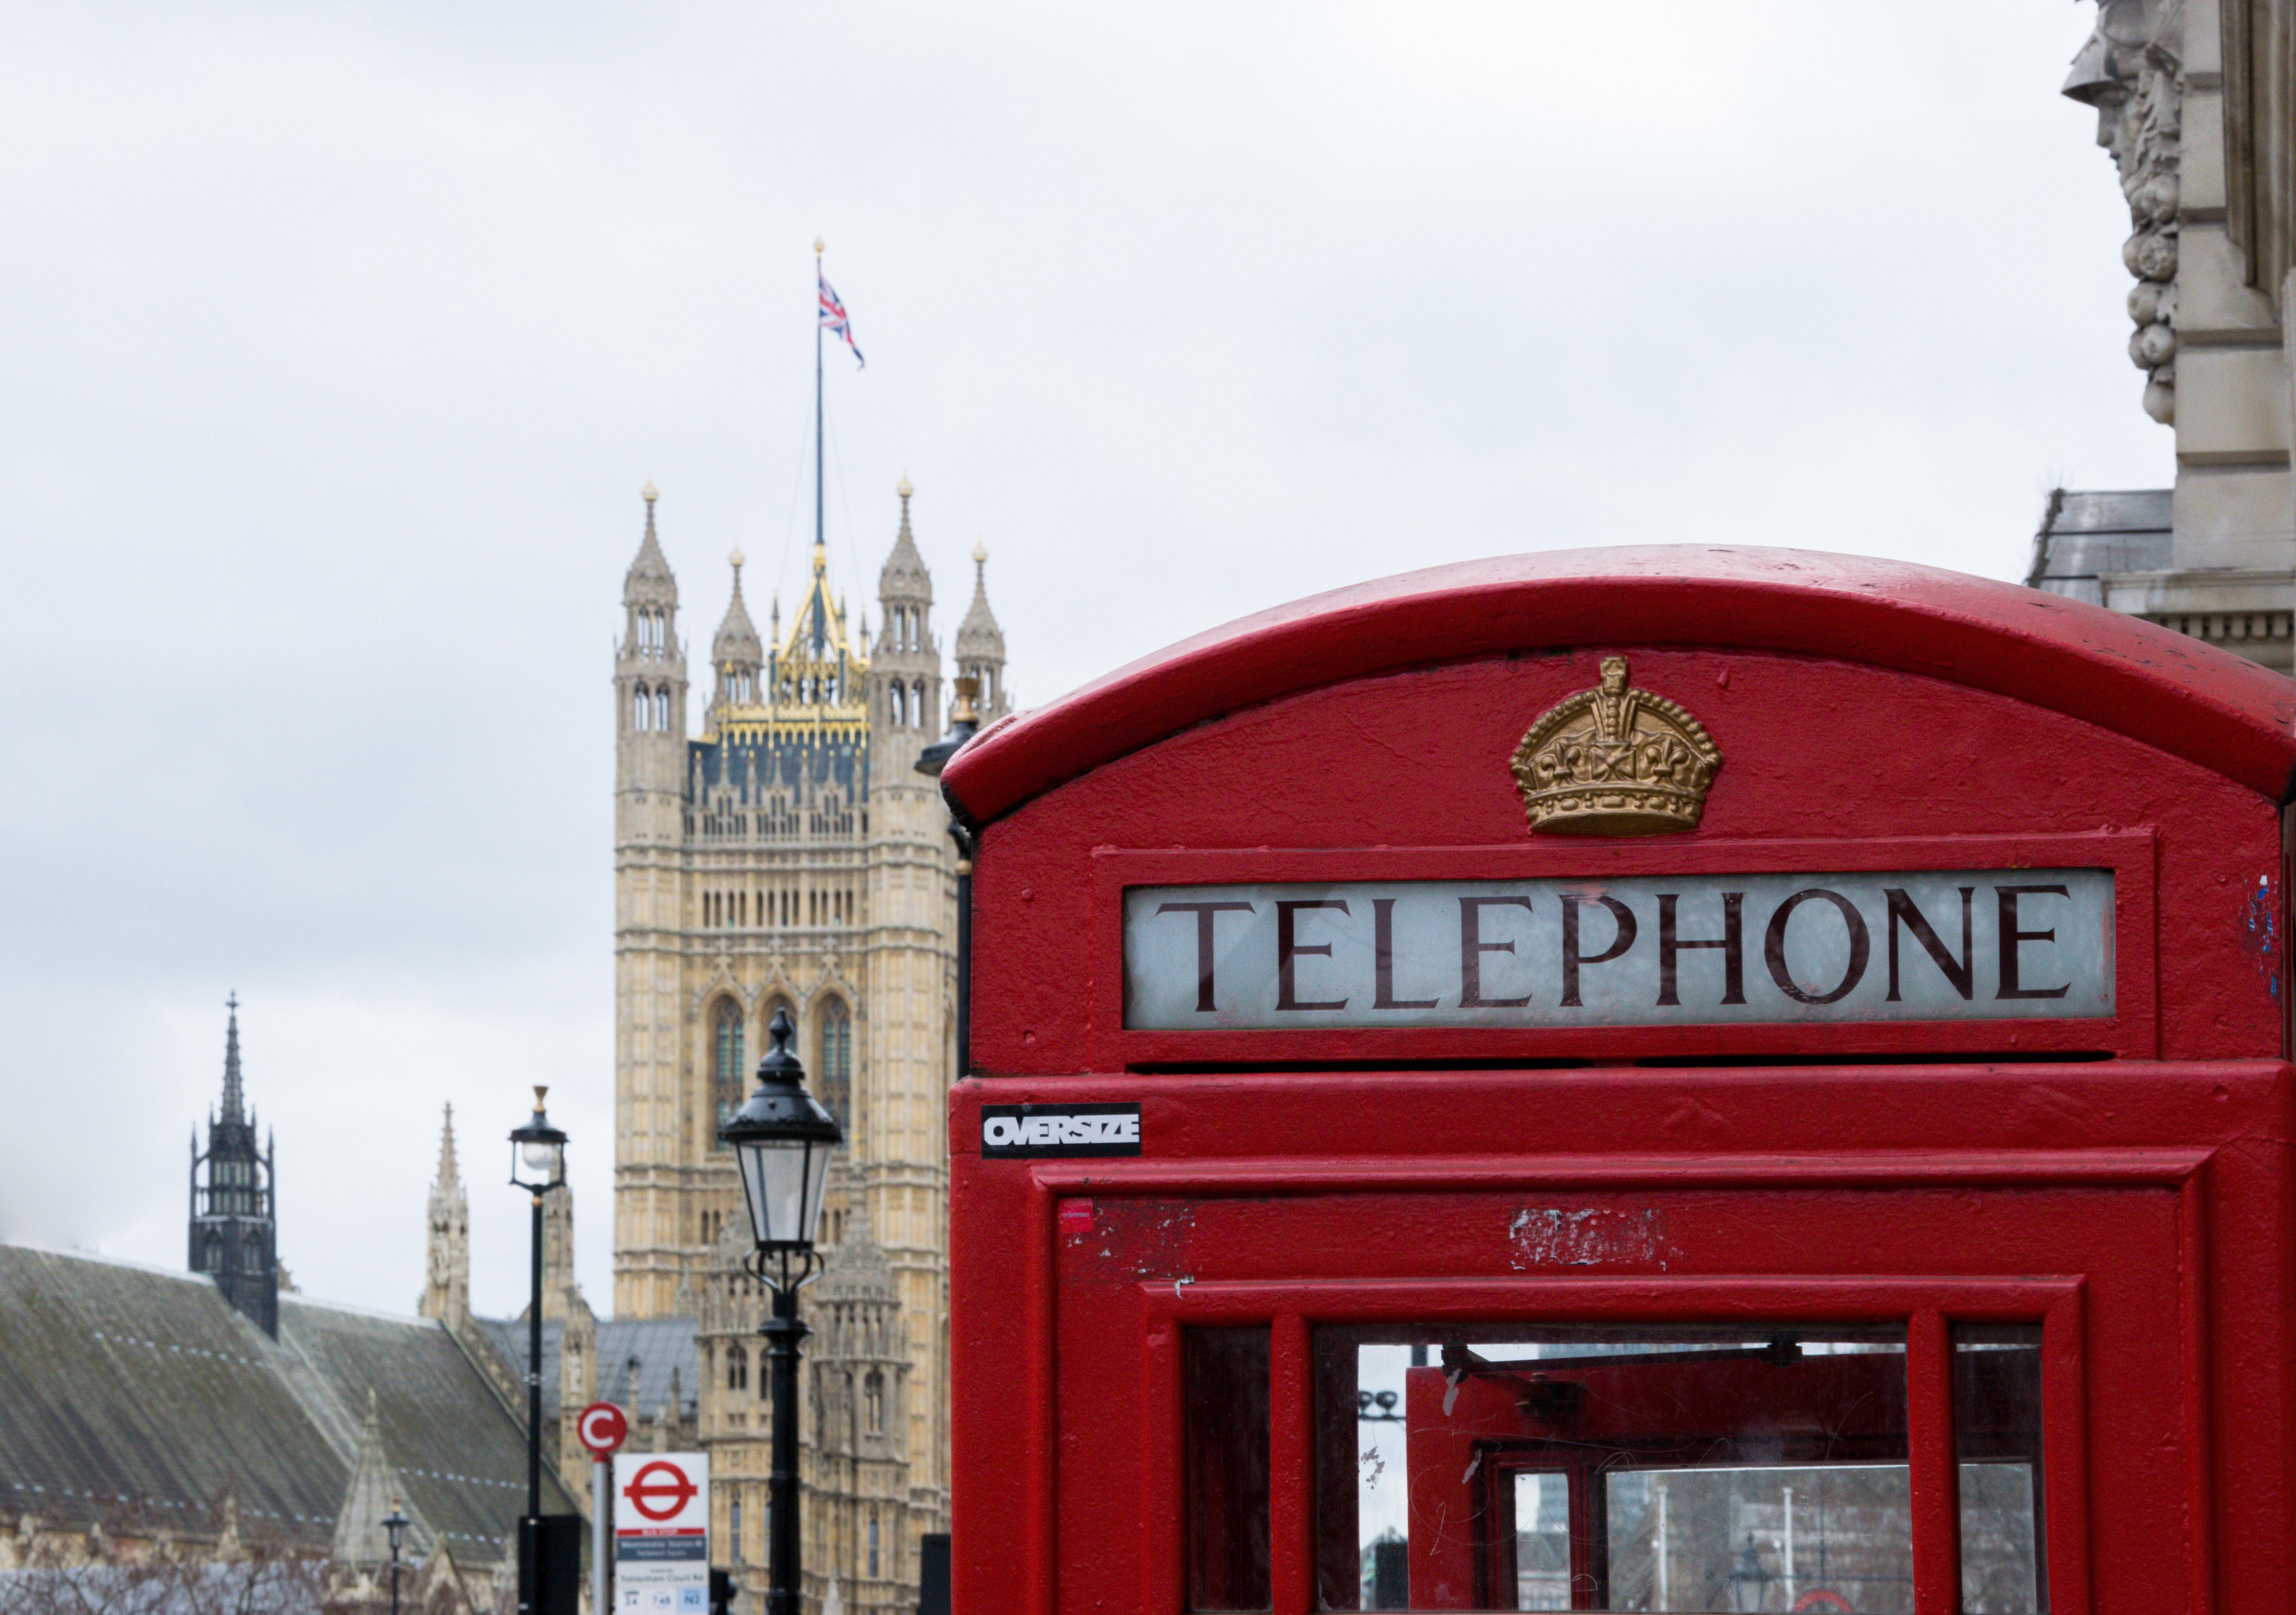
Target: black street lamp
[[537, 1164], [394, 1524], [781, 1140]]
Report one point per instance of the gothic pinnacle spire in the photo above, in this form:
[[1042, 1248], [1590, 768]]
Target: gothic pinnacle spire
[[234, 1099], [448, 1171]]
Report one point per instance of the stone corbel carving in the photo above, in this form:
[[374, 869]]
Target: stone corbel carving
[[2131, 71]]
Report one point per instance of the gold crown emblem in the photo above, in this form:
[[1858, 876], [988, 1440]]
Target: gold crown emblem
[[1615, 760]]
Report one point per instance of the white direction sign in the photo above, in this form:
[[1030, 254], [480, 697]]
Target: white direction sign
[[661, 1533]]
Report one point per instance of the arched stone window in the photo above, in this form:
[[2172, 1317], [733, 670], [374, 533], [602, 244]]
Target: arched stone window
[[872, 1403], [737, 1369], [726, 1064], [837, 1064], [917, 700], [900, 708], [640, 711], [661, 710]]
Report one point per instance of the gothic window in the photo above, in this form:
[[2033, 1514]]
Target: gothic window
[[661, 710], [726, 1067], [737, 1369], [872, 1403], [873, 1543], [211, 1252], [733, 1519], [639, 712], [837, 1064], [924, 719], [900, 718]]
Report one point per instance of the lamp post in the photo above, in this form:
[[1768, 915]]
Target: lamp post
[[394, 1525], [963, 723], [537, 1164], [782, 1139]]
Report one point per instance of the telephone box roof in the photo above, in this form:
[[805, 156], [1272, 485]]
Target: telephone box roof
[[2119, 672]]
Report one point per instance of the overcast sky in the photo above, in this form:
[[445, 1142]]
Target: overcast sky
[[339, 340]]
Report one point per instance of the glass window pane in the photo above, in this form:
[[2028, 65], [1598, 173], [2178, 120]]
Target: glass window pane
[[1996, 1419], [1663, 1467], [1224, 1389]]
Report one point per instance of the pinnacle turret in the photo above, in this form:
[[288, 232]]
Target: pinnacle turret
[[978, 637], [447, 1290], [650, 582], [737, 651], [981, 644]]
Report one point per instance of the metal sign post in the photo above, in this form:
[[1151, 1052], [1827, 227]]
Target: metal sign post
[[601, 1427]]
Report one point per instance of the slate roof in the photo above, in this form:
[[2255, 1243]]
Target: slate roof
[[661, 1345], [134, 1393], [2086, 538]]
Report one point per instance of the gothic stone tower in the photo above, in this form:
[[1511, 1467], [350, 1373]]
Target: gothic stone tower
[[234, 1214], [789, 858]]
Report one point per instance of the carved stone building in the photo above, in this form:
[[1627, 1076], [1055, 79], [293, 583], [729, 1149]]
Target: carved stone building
[[792, 857], [861, 1514], [2194, 101]]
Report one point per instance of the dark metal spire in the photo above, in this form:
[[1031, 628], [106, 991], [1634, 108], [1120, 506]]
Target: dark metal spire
[[233, 1106]]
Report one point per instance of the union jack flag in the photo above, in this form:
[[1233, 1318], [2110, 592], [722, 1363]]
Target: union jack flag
[[833, 316]]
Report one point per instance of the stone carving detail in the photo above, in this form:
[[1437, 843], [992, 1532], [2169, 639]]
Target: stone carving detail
[[2130, 70]]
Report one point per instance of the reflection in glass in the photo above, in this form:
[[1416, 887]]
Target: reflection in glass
[[1996, 1421], [1659, 1468]]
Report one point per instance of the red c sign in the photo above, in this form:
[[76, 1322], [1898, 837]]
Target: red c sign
[[601, 1427], [659, 1481]]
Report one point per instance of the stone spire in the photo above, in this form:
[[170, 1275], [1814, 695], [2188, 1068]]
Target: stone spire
[[447, 1296], [649, 582], [903, 577], [981, 644], [375, 1490], [739, 653]]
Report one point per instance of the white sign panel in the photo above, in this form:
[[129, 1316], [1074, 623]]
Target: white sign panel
[[1924, 945], [661, 1533]]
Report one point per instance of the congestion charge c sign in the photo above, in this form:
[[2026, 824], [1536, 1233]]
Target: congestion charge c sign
[[659, 1481], [601, 1427]]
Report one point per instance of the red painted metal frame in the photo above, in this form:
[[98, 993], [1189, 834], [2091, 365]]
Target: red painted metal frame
[[2133, 1033], [1928, 1305], [2188, 699], [1028, 1330]]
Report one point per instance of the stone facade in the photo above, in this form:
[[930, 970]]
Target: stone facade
[[2193, 103], [793, 858], [861, 1514]]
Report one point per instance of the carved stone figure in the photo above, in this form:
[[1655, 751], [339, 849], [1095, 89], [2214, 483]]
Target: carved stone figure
[[2131, 72]]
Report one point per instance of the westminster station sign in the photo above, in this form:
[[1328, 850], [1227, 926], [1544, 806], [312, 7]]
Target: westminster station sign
[[1963, 945]]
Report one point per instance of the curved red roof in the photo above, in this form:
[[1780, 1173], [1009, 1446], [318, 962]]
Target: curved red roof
[[2157, 686]]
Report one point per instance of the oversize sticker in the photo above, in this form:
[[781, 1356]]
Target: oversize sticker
[[1012, 1131]]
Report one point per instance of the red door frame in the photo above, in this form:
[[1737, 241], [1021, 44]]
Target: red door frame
[[1928, 1306], [1928, 1303]]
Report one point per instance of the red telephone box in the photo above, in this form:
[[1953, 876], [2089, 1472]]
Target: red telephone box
[[1665, 1079]]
